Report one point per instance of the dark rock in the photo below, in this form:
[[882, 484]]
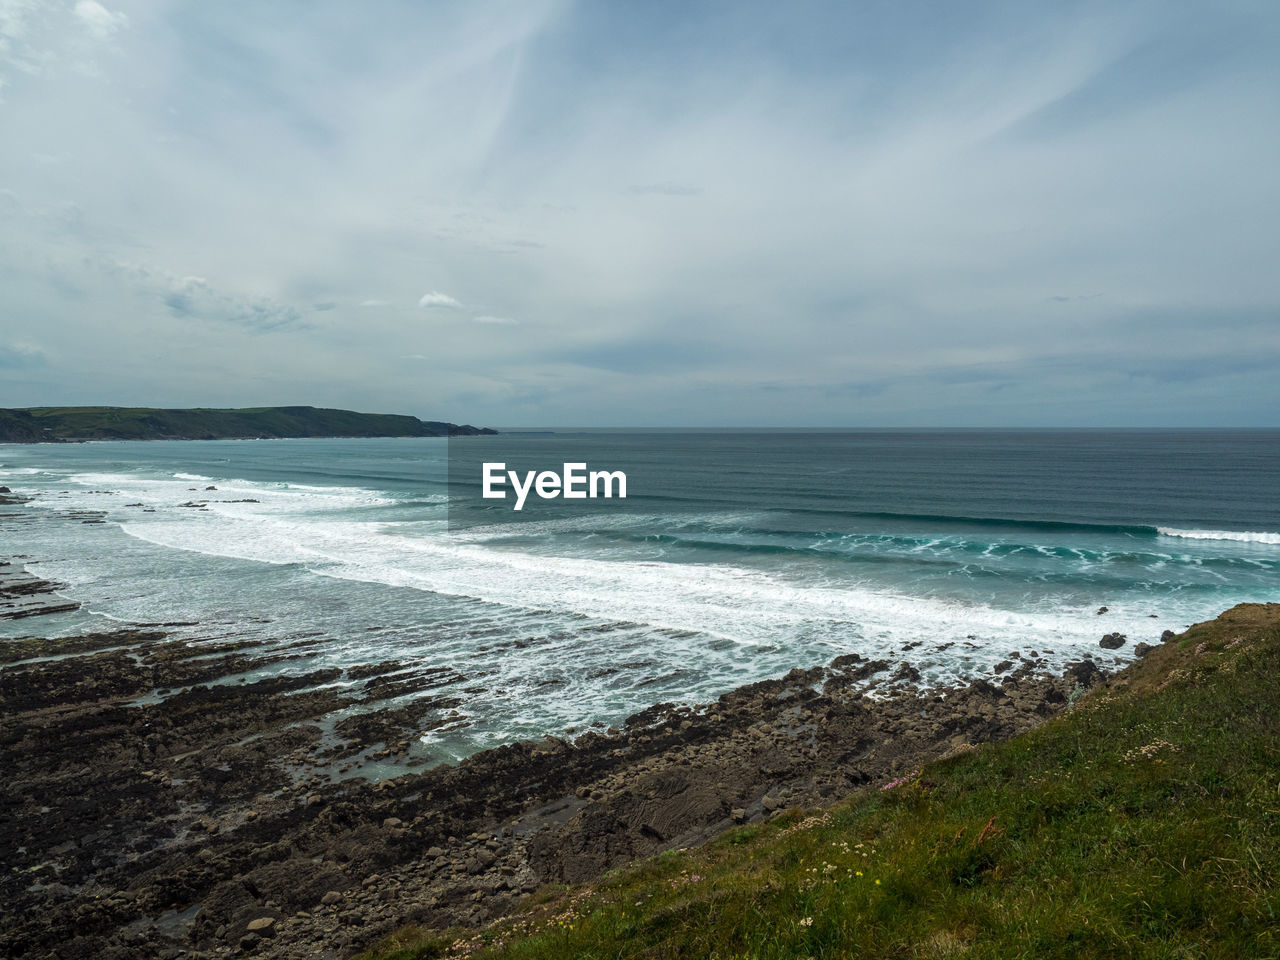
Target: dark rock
[[844, 661], [1142, 649], [1085, 673], [1112, 641], [1167, 636], [907, 672], [854, 672], [1102, 610]]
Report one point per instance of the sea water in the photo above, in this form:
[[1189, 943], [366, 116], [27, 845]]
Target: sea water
[[739, 556]]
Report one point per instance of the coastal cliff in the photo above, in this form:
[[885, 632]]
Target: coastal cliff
[[64, 424]]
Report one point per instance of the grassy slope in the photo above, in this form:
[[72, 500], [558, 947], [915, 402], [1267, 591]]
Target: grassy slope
[[145, 423], [1145, 822]]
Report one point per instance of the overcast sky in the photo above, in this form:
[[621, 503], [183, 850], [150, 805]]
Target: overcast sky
[[547, 213]]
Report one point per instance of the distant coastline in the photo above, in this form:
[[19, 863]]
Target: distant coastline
[[77, 424]]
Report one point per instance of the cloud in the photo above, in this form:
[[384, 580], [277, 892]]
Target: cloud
[[20, 21], [193, 298], [646, 354], [436, 299], [731, 213], [21, 356], [665, 189], [100, 21], [53, 38]]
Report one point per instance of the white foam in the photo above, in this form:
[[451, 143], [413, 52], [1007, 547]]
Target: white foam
[[693, 604], [613, 633], [174, 489], [1240, 536]]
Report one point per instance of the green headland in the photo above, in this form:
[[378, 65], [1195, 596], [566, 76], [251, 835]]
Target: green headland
[[66, 424]]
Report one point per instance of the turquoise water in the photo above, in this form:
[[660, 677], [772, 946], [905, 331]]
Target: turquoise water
[[736, 556]]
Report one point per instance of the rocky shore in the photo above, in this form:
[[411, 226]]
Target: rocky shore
[[160, 802], [22, 594]]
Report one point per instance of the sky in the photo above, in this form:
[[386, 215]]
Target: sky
[[538, 212]]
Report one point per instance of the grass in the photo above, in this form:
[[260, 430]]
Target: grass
[[145, 423], [1143, 823]]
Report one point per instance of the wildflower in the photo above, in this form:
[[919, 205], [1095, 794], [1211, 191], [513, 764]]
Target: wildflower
[[1149, 752], [807, 922], [899, 781], [877, 883]]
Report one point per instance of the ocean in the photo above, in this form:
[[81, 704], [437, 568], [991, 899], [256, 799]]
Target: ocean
[[737, 556]]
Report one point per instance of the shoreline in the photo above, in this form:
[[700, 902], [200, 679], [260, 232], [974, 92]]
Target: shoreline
[[144, 827]]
